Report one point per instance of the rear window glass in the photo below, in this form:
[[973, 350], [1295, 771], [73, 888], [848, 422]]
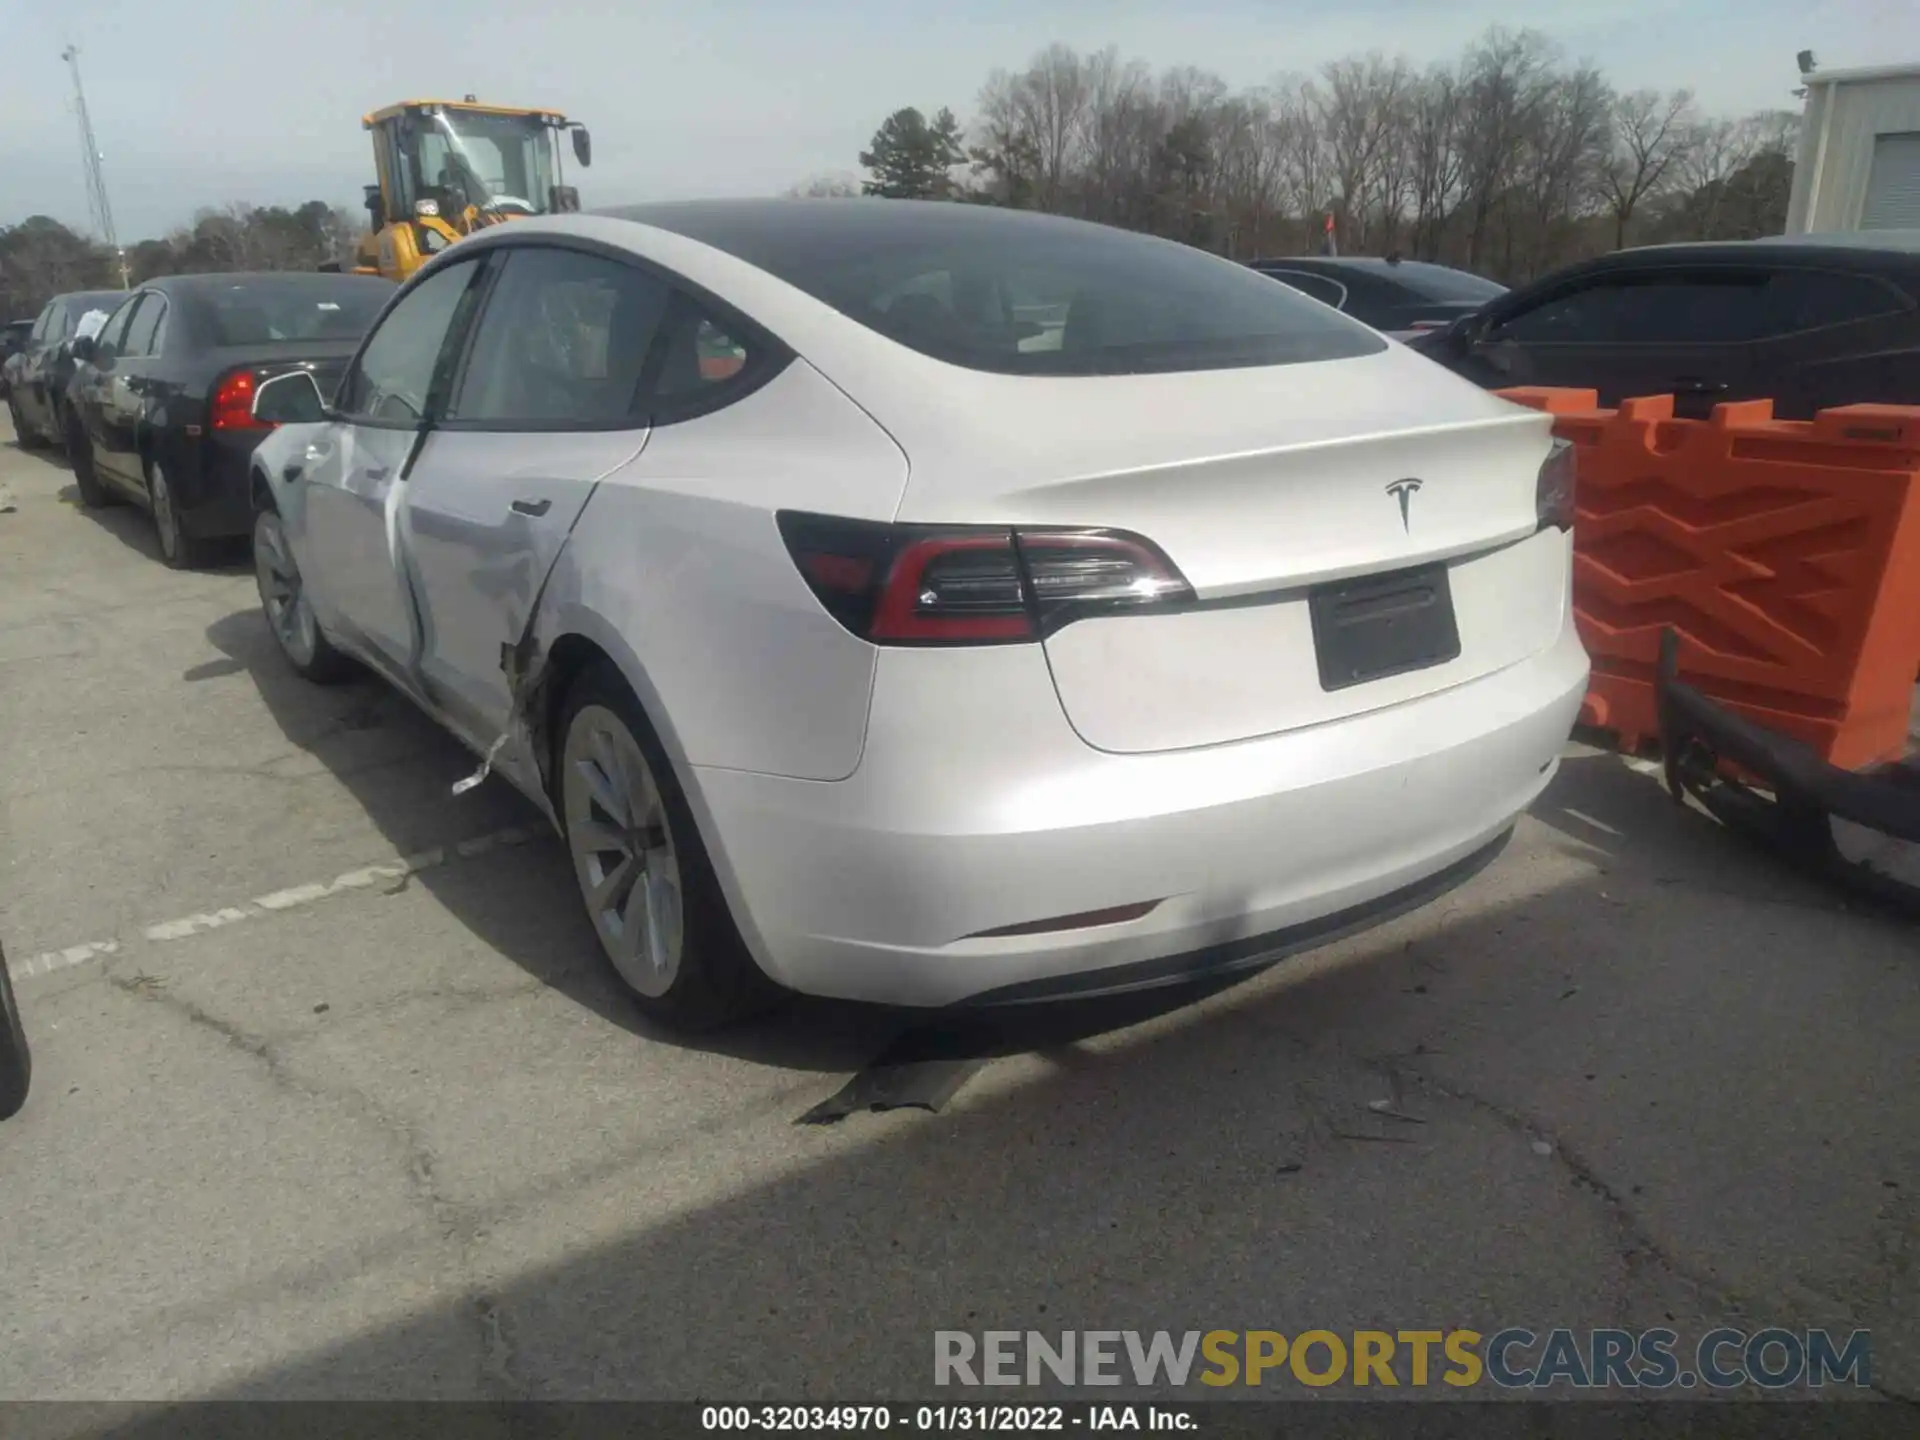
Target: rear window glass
[[266, 312], [1022, 294], [76, 307], [1437, 282]]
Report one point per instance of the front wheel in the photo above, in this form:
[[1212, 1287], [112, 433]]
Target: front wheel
[[16, 1061], [283, 598], [649, 888]]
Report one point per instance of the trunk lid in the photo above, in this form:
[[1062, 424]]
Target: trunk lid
[[1264, 487]]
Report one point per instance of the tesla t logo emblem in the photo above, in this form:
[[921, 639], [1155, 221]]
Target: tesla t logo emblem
[[1403, 491]]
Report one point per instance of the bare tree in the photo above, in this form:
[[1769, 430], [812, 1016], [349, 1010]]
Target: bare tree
[[1651, 133], [1434, 156], [1563, 152], [1506, 81], [1359, 111], [1510, 161], [1118, 125], [1049, 102]]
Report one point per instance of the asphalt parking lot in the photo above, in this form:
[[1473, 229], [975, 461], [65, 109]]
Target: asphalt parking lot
[[334, 1096]]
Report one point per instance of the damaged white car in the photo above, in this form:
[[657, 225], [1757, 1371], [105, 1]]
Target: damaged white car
[[934, 603]]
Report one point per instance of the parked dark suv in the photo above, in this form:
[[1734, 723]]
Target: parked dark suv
[[1397, 297], [1806, 321], [38, 375]]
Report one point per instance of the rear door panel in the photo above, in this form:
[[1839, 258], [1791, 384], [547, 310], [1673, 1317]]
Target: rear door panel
[[1838, 338], [484, 517]]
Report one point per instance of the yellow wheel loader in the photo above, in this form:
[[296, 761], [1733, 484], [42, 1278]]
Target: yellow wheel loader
[[448, 168]]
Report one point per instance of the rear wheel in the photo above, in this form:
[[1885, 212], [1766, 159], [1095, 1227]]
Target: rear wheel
[[649, 888], [23, 434], [179, 549], [86, 475], [16, 1062], [283, 597]]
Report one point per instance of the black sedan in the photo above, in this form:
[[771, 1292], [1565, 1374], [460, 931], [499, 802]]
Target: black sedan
[[1398, 297], [1807, 321], [162, 401], [38, 375]]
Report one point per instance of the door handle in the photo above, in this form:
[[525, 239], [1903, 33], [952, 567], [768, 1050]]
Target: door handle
[[375, 472], [532, 507]]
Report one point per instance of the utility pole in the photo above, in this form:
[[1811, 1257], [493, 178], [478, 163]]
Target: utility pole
[[102, 212]]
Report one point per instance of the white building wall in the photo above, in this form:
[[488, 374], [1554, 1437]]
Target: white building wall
[[1844, 116]]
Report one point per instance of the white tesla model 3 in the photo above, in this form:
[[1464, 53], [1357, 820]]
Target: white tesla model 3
[[925, 603]]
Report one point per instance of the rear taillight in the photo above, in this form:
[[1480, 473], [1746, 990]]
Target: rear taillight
[[968, 585], [1553, 490], [232, 407]]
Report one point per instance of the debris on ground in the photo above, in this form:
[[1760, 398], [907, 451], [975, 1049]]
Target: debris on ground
[[1391, 1109], [926, 1084]]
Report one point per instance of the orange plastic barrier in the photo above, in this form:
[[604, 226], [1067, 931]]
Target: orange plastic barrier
[[1785, 553]]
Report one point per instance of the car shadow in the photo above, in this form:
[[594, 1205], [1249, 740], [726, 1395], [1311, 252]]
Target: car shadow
[[1235, 1162], [133, 528], [400, 767]]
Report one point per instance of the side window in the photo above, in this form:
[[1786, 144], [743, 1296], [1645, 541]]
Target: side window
[[400, 364], [1697, 310], [1681, 308], [112, 339], [704, 363], [1327, 292], [43, 323], [1810, 299], [563, 340], [61, 325], [1571, 317], [143, 334]]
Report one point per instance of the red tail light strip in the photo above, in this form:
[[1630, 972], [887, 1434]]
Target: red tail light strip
[[973, 585]]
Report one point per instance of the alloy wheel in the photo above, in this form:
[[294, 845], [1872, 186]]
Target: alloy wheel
[[164, 519], [623, 850], [282, 594]]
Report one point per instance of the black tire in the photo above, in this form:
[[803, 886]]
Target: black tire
[[86, 475], [717, 981], [178, 549], [324, 665], [16, 1061], [24, 434]]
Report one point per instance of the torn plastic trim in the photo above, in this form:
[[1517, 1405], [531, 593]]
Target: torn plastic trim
[[1808, 794]]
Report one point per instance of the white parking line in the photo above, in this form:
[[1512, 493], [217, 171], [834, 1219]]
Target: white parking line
[[293, 898]]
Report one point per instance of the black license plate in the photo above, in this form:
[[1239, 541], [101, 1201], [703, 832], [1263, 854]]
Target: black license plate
[[1381, 625]]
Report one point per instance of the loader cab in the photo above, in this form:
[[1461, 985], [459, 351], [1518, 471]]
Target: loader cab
[[446, 169]]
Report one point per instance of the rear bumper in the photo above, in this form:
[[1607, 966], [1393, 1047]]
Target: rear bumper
[[211, 486], [975, 808]]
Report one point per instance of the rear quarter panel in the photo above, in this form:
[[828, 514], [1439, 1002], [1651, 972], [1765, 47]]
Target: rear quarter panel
[[677, 570]]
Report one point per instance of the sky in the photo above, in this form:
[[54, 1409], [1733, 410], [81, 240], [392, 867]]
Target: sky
[[209, 102]]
